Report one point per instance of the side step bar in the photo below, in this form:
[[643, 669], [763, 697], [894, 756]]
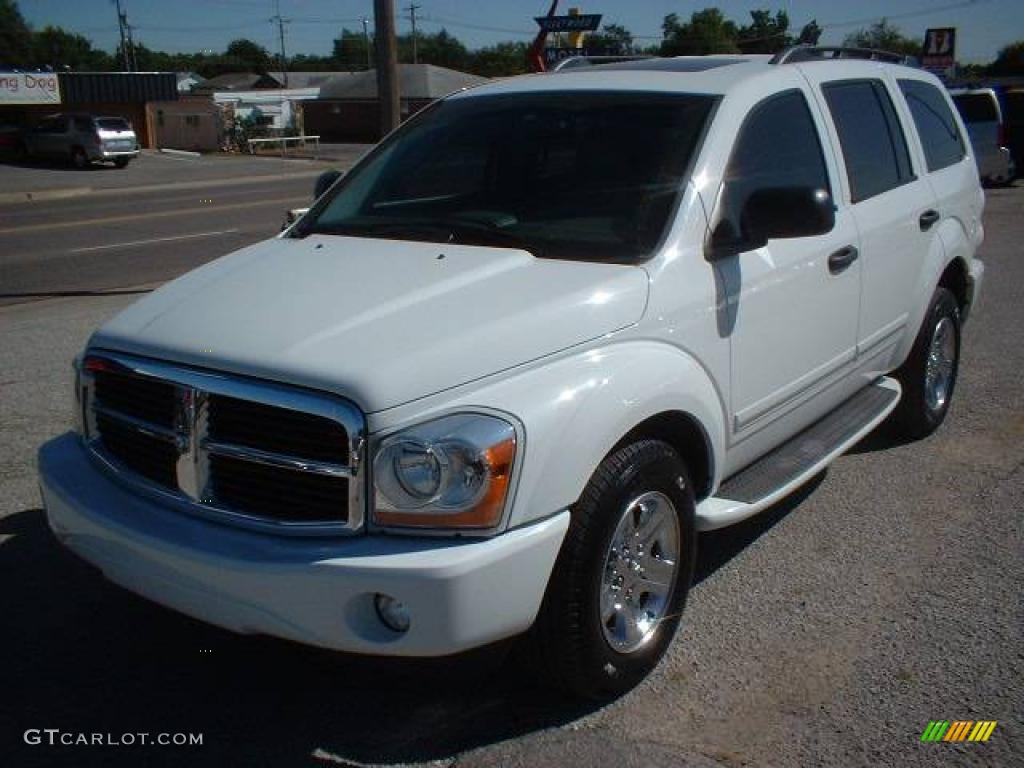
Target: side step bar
[[779, 473]]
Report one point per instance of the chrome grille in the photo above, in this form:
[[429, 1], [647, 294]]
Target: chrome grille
[[250, 453]]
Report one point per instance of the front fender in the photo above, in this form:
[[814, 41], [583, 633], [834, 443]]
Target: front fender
[[573, 410]]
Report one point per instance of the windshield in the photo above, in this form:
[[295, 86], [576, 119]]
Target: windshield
[[574, 175]]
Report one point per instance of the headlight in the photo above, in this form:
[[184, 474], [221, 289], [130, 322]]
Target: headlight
[[454, 472]]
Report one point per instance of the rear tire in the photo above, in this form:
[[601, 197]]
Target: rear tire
[[79, 159], [929, 374], [622, 576], [121, 162]]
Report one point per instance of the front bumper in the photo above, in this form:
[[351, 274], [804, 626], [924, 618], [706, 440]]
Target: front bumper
[[461, 593]]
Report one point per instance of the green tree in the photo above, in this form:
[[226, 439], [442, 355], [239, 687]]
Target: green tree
[[706, 32], [440, 48], [611, 39], [15, 36], [1010, 60], [500, 60], [59, 49], [349, 54], [883, 36], [765, 33], [246, 56], [810, 33]]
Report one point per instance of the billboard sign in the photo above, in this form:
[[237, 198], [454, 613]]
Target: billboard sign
[[584, 22], [29, 88], [939, 51]]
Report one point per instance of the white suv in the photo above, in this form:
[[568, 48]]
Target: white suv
[[501, 374]]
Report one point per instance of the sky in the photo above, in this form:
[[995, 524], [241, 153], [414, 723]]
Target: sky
[[984, 26]]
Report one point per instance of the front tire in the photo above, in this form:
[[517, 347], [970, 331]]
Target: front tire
[[929, 374], [79, 159], [621, 580]]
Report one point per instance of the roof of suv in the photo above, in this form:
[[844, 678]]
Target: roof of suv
[[715, 75]]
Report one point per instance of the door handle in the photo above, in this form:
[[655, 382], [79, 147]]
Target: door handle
[[927, 219], [842, 259]]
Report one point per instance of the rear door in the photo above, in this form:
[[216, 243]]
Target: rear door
[[892, 205]]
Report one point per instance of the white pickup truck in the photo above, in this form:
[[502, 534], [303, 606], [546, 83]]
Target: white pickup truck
[[501, 374]]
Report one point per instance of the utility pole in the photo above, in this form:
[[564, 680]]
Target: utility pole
[[366, 37], [412, 17], [133, 63], [387, 64], [120, 31], [280, 34]]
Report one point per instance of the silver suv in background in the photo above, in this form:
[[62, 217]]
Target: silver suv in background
[[980, 110], [82, 139]]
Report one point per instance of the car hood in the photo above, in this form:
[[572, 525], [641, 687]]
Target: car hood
[[381, 322]]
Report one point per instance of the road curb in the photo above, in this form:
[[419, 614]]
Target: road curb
[[179, 152], [43, 195]]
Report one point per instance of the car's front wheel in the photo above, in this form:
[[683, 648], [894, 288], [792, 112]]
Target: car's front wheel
[[619, 585], [928, 376], [78, 158]]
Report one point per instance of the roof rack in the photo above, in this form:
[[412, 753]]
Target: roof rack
[[799, 53], [572, 62]]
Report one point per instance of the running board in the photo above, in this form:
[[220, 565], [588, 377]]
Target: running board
[[779, 473]]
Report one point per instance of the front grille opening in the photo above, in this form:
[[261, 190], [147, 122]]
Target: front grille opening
[[144, 398], [277, 430], [278, 494], [148, 456]]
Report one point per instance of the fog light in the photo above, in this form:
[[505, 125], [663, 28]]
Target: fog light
[[392, 612]]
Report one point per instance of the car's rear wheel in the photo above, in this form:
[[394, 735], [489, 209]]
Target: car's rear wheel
[[78, 158], [618, 588], [121, 162], [929, 375]]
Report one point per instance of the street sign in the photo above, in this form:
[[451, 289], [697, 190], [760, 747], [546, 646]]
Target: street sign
[[939, 51], [585, 22], [29, 88], [554, 55]]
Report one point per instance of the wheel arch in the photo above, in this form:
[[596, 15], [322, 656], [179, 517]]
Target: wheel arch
[[687, 437]]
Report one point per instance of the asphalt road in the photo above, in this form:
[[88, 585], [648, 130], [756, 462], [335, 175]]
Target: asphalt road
[[827, 631], [148, 223]]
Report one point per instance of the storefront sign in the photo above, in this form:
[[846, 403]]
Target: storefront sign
[[29, 88]]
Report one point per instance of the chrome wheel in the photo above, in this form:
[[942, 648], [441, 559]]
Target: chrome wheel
[[941, 364], [639, 571]]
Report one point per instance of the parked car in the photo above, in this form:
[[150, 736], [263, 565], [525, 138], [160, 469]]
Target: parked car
[[501, 374], [82, 139], [1013, 119], [10, 138], [983, 115]]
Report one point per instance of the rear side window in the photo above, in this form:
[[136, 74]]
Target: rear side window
[[872, 139], [976, 107], [83, 124], [778, 147], [940, 137]]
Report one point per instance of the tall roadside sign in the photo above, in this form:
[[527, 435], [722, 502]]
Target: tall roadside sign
[[938, 55]]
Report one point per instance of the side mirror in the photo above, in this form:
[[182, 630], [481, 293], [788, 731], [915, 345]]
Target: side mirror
[[324, 182], [775, 213]]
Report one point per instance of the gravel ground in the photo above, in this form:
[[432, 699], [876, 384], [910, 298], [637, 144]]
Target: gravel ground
[[828, 631]]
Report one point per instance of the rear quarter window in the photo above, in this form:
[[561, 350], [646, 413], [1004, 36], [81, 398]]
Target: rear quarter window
[[940, 136], [113, 123]]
